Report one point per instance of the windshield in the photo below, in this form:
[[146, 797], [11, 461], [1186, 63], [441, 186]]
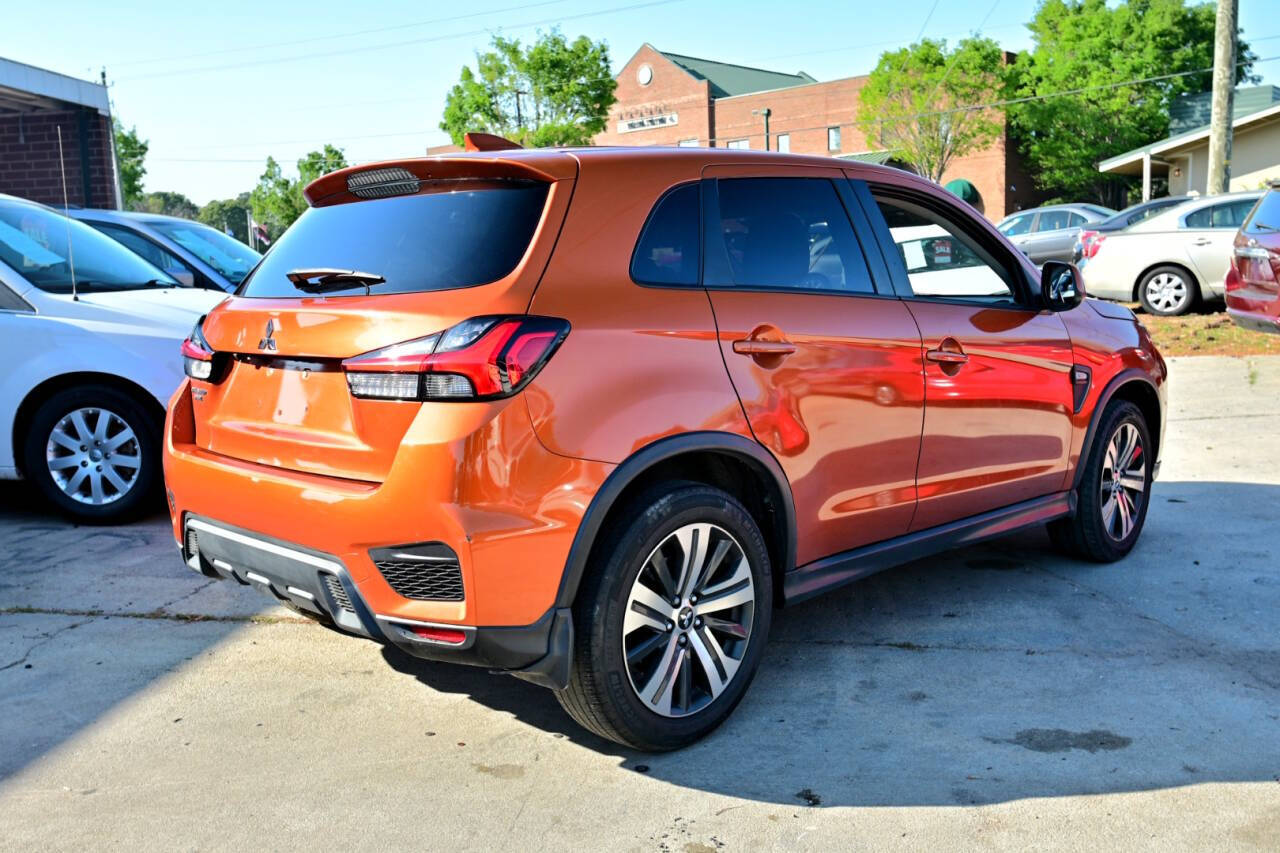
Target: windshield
[[227, 255], [33, 240], [469, 233]]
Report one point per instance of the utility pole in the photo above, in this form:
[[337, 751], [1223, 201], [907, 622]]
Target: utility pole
[[1224, 89], [766, 112]]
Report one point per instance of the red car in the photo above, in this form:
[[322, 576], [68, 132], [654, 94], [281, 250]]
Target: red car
[[1253, 281], [588, 416]]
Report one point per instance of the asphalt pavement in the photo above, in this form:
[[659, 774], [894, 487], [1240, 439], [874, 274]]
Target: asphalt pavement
[[1001, 696]]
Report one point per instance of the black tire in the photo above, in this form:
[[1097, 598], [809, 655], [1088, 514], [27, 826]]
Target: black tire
[[1088, 534], [117, 506], [1173, 275], [600, 695]]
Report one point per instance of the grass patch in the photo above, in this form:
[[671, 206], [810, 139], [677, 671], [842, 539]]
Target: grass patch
[[1207, 334]]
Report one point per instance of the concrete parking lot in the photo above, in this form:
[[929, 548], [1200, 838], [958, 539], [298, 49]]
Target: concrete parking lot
[[1001, 696]]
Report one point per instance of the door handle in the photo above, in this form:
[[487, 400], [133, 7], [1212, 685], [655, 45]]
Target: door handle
[[751, 346], [1202, 242], [943, 356]]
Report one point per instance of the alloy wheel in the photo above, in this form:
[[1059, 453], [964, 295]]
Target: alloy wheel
[[93, 456], [1167, 292], [688, 620], [1124, 482]]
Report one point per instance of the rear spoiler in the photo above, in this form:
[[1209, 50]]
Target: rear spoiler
[[487, 142], [400, 177]]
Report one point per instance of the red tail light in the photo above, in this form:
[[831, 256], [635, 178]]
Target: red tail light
[[199, 361], [1090, 242], [483, 358]]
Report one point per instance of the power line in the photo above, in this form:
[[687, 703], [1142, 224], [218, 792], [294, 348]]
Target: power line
[[391, 45], [343, 35]]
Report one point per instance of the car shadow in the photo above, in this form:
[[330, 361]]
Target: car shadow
[[997, 672]]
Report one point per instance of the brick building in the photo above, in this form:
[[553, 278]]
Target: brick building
[[34, 103], [669, 99]]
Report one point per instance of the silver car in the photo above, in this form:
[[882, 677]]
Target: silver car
[[191, 252], [1049, 233], [1173, 260]]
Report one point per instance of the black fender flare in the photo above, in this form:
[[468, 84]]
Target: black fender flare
[[1124, 377], [726, 443]]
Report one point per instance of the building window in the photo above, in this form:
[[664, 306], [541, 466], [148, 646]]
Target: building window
[[688, 143], [738, 143], [833, 139], [784, 142]]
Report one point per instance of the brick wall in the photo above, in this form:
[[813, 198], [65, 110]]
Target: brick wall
[[671, 91], [29, 157]]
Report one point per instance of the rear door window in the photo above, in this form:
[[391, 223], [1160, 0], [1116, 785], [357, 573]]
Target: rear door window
[[1229, 215], [784, 234], [460, 234], [1052, 220], [668, 249]]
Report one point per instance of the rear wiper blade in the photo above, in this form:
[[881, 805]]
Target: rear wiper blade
[[325, 280]]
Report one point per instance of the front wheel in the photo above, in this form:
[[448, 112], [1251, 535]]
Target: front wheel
[[1115, 489], [94, 453], [672, 620]]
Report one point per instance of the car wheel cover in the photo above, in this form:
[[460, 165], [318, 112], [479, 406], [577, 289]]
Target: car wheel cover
[[93, 456], [688, 620], [1167, 292], [1124, 482]]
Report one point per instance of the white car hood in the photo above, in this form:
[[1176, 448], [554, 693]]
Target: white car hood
[[171, 308]]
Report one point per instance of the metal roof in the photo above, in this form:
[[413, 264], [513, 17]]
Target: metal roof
[[727, 80], [878, 158], [1191, 137], [27, 89]]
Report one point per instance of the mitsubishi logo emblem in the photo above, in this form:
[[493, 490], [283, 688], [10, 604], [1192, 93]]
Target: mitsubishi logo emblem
[[268, 343]]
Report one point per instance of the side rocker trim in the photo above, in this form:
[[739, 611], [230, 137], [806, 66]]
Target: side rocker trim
[[729, 444]]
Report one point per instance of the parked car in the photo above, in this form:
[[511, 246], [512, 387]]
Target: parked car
[[476, 407], [1253, 279], [190, 252], [1048, 233], [1174, 260], [1088, 240], [88, 362]]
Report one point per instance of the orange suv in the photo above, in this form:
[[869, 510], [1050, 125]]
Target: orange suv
[[589, 416]]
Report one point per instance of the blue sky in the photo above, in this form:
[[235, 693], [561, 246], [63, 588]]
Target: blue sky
[[215, 91]]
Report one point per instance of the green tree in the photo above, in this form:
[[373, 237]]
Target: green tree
[[912, 103], [167, 203], [1101, 47], [277, 200], [130, 154], [554, 92], [228, 213]]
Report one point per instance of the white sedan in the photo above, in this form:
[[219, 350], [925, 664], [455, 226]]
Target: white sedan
[[91, 358], [1173, 260]]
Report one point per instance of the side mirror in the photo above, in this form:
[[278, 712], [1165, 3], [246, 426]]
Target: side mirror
[[1061, 286]]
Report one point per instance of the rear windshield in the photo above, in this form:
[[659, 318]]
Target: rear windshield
[[465, 234], [1265, 218]]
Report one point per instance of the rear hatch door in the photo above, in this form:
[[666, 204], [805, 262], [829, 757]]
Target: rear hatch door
[[451, 238]]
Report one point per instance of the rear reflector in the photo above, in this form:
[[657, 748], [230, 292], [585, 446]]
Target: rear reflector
[[449, 636]]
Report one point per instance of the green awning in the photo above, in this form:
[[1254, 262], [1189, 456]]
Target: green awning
[[876, 158], [965, 190]]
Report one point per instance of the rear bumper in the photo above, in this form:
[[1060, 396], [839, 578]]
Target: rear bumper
[[1254, 320], [319, 583]]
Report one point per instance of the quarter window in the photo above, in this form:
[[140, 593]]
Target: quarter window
[[941, 260], [668, 249], [1229, 215], [784, 233]]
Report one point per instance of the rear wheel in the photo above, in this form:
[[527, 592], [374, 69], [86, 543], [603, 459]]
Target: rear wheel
[[1115, 488], [1168, 291], [671, 623], [94, 453]]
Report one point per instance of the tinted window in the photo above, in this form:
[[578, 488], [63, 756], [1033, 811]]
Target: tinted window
[[1018, 225], [144, 248], [461, 234], [784, 233], [33, 240], [940, 258], [1266, 216], [1229, 215], [668, 249], [227, 255]]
